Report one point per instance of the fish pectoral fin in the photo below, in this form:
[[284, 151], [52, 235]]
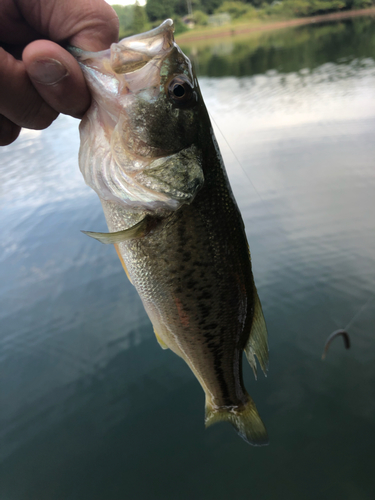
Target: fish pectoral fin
[[162, 344], [139, 230], [257, 344], [245, 420]]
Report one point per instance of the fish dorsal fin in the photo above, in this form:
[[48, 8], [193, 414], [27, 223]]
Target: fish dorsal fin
[[257, 344]]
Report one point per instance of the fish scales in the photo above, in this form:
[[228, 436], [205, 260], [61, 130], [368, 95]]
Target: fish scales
[[187, 273], [191, 264]]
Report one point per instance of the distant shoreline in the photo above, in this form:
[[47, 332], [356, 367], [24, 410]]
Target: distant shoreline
[[237, 29]]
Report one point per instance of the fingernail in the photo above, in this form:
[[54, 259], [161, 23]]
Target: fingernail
[[47, 71]]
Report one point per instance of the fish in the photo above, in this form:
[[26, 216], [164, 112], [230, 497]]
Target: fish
[[149, 151]]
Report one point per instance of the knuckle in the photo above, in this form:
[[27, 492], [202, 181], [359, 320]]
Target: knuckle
[[8, 131], [37, 115], [19, 100]]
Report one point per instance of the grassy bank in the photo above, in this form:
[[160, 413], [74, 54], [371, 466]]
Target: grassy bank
[[236, 28]]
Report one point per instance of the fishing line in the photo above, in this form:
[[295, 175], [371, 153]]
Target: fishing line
[[360, 311], [235, 156], [363, 307]]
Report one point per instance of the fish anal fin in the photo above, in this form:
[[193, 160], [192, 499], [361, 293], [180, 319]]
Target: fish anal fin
[[245, 420], [122, 262], [162, 344], [257, 344]]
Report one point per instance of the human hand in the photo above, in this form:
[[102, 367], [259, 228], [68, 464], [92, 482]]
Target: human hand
[[48, 80]]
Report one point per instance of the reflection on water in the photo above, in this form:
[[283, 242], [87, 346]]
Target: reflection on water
[[284, 50], [90, 406]]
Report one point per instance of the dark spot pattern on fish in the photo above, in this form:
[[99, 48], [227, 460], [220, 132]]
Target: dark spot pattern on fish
[[186, 256], [211, 326]]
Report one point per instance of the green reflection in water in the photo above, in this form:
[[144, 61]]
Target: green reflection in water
[[284, 50]]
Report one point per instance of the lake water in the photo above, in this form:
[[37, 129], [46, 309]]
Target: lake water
[[91, 407]]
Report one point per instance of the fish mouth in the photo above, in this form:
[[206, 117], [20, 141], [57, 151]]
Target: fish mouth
[[130, 152], [131, 53]]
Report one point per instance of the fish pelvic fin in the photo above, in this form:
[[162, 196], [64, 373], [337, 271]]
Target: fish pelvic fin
[[245, 420], [162, 344], [257, 344], [139, 230]]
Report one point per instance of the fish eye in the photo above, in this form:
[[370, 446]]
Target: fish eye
[[178, 90], [181, 91]]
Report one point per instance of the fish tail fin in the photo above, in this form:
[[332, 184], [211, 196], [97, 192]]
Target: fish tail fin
[[245, 420], [257, 344]]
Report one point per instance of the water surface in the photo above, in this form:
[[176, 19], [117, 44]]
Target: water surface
[[91, 407]]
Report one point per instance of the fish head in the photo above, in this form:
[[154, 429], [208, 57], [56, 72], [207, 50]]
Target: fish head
[[140, 137]]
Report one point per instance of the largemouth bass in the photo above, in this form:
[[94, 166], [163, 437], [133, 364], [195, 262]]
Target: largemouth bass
[[149, 151]]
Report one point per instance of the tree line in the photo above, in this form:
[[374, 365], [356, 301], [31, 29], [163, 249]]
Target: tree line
[[135, 18]]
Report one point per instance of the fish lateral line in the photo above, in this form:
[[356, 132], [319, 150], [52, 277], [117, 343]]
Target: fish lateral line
[[333, 335], [139, 230]]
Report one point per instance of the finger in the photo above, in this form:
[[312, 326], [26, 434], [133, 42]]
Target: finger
[[88, 24], [57, 77], [97, 28], [13, 27], [9, 131], [19, 101]]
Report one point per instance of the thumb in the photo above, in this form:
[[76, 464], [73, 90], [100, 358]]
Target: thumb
[[19, 101], [57, 77]]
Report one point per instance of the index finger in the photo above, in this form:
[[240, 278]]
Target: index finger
[[87, 24]]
